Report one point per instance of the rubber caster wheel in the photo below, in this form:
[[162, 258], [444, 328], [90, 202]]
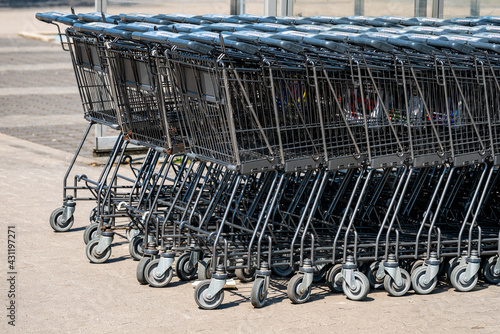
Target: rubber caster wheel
[[392, 288], [93, 216], [488, 270], [371, 273], [140, 272], [293, 290], [283, 271], [93, 257], [203, 301], [334, 278], [56, 221], [91, 232], [417, 264], [457, 279], [319, 273], [136, 247], [450, 265], [417, 281], [131, 233], [157, 281], [360, 291], [184, 269], [258, 294], [205, 270], [245, 275]]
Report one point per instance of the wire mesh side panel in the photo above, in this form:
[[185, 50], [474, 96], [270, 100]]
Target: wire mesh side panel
[[344, 119], [139, 92], [91, 70], [227, 113], [296, 108], [492, 88], [470, 134]]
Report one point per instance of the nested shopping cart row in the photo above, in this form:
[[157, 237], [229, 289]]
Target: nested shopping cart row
[[354, 150]]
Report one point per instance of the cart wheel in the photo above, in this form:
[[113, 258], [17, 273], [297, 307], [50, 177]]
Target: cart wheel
[[457, 279], [136, 247], [155, 281], [371, 273], [245, 275], [361, 291], [334, 278], [293, 290], [417, 264], [90, 232], [131, 233], [258, 294], [93, 216], [90, 250], [56, 221], [450, 265], [417, 281], [184, 269], [392, 288], [205, 269], [283, 271], [204, 302], [319, 272], [489, 274], [140, 272]]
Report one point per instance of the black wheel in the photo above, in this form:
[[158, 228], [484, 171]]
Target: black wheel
[[362, 287], [136, 247], [245, 275], [319, 272], [371, 273], [334, 278], [293, 290], [184, 269], [393, 289], [56, 221], [140, 272], [157, 281], [457, 279], [488, 270], [91, 232], [205, 269], [93, 216], [258, 294], [283, 271], [417, 281], [90, 251], [203, 301]]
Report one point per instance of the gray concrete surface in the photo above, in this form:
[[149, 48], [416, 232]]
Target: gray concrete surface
[[59, 291]]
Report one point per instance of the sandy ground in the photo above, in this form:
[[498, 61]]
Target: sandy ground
[[59, 291]]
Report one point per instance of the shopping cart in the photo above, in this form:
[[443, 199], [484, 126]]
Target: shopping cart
[[347, 149]]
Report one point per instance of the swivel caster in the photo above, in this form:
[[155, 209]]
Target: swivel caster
[[424, 278], [61, 219], [209, 294], [491, 270], [91, 232], [355, 284], [260, 286], [299, 286], [334, 278], [99, 250], [464, 277], [186, 266]]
